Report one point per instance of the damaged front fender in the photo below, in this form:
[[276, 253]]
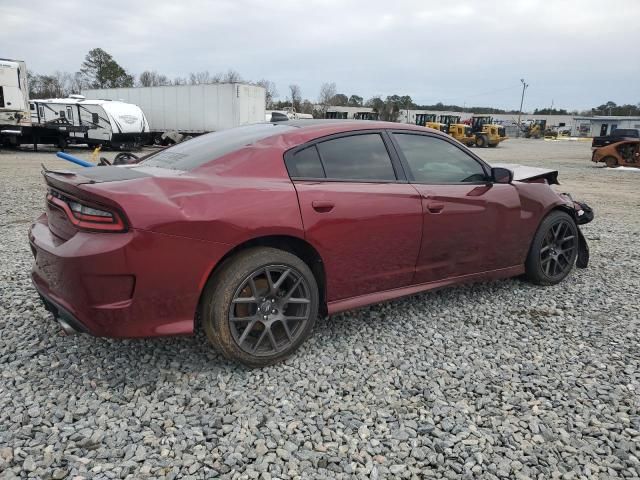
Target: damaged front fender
[[583, 214]]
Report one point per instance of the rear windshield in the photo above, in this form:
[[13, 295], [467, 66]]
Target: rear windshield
[[205, 148]]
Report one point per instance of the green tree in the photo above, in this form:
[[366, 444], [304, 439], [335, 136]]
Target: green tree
[[340, 100], [100, 70], [355, 101]]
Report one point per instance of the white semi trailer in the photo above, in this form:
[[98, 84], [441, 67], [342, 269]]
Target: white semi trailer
[[191, 109]]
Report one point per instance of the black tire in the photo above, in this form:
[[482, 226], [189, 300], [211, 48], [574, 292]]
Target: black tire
[[240, 276], [482, 141], [611, 162], [554, 249], [493, 145]]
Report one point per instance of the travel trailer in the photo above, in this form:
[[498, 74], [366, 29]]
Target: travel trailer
[[14, 99], [113, 124]]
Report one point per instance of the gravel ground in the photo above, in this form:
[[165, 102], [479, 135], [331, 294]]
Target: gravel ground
[[498, 380]]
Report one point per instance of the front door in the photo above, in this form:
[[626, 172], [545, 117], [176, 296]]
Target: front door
[[364, 222], [467, 219]]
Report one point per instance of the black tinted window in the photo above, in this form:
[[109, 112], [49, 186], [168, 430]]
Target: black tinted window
[[305, 164], [434, 160], [206, 148], [358, 157]]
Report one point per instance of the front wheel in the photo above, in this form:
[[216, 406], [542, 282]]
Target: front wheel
[[481, 141], [554, 249], [611, 162], [260, 307]]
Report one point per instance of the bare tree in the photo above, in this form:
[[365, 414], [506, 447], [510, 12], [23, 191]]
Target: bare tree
[[152, 79], [271, 91], [231, 77], [327, 92], [179, 81], [296, 96], [198, 78]]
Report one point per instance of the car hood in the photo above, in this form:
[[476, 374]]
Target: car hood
[[523, 173]]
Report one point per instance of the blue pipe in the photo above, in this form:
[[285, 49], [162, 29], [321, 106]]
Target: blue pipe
[[72, 159]]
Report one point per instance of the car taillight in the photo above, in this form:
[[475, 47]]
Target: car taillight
[[85, 216]]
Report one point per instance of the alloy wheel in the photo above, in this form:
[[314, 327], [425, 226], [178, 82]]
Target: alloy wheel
[[269, 310], [558, 249]]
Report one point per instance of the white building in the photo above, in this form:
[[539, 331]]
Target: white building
[[599, 126]]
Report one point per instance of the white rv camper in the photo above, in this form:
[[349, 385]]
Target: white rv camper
[[14, 99], [94, 122]]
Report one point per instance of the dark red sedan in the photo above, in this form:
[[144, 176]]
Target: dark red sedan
[[254, 231]]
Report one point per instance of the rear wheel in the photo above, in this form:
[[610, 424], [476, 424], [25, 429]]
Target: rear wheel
[[610, 161], [261, 306], [554, 249]]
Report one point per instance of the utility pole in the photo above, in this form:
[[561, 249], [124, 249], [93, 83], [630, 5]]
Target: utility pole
[[524, 87]]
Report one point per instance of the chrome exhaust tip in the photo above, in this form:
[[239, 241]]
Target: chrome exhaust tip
[[66, 328]]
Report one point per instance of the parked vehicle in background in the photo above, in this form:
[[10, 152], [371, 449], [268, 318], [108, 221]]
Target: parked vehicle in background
[[252, 232], [460, 131], [14, 99], [616, 136], [486, 132], [620, 154], [191, 110], [430, 120], [287, 113], [64, 121]]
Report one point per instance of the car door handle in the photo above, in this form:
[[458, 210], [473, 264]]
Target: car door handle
[[435, 207], [322, 206]]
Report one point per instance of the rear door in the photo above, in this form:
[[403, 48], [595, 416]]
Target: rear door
[[358, 211], [470, 223]]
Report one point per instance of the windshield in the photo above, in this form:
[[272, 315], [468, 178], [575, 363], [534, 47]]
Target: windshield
[[206, 148]]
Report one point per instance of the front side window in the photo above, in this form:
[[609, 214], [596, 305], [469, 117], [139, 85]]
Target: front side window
[[434, 160], [357, 157]]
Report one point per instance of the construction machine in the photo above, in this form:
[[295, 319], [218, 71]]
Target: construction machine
[[487, 134], [457, 130], [536, 129], [429, 120]]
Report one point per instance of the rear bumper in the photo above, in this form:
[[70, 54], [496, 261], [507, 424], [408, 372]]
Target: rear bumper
[[62, 315], [133, 284]]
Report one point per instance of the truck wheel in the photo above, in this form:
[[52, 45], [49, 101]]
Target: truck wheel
[[554, 249], [481, 141], [611, 162], [260, 307]]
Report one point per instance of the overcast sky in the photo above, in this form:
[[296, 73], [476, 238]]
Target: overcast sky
[[576, 54]]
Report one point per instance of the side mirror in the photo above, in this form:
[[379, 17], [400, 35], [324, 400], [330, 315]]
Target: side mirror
[[501, 175]]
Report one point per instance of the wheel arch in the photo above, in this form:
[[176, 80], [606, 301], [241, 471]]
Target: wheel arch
[[289, 243], [553, 208]]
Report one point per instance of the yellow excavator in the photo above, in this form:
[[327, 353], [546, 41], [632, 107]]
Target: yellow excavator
[[429, 120], [457, 130], [487, 134]]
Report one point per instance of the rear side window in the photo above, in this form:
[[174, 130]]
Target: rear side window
[[204, 149], [357, 157], [305, 164]]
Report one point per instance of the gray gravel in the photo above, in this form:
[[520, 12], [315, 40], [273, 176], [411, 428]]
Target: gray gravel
[[500, 380]]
